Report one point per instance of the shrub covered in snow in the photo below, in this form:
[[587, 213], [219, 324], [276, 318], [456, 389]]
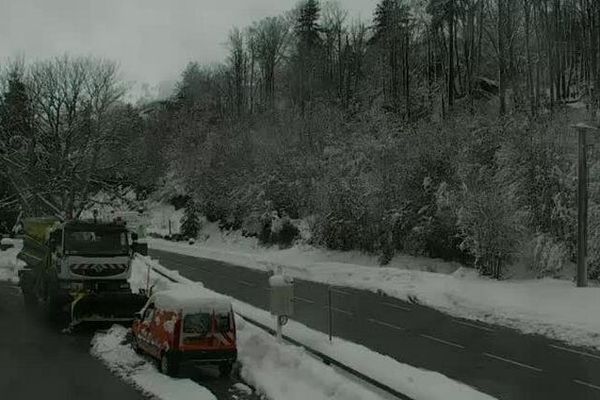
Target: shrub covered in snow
[[549, 255]]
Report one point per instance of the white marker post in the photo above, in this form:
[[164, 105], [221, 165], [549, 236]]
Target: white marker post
[[282, 299]]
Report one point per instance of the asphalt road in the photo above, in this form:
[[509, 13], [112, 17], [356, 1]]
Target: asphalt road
[[499, 361], [38, 361]]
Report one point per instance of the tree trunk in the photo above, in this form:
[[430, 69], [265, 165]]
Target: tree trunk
[[451, 56], [502, 54]]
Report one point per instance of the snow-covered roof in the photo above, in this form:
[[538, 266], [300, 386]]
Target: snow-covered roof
[[191, 299]]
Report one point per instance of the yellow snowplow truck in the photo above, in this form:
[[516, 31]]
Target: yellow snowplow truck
[[80, 269]]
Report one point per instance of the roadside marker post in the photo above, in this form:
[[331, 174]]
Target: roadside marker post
[[282, 299], [330, 316]]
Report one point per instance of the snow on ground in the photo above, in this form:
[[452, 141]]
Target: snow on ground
[[554, 308], [285, 372], [288, 372], [9, 265], [112, 349], [160, 215]]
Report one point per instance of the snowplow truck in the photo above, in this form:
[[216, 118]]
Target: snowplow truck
[[80, 269]]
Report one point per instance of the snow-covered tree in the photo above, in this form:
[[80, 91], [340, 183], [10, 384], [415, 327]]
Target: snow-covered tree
[[64, 133], [190, 222]]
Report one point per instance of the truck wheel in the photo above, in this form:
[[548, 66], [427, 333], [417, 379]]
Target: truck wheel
[[30, 301], [225, 369], [168, 366]]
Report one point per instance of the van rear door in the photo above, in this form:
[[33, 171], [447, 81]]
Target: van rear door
[[196, 330], [207, 331]]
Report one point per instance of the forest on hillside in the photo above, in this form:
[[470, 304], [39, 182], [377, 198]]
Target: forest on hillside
[[438, 127]]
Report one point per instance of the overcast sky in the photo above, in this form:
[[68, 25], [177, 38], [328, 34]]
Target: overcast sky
[[151, 39]]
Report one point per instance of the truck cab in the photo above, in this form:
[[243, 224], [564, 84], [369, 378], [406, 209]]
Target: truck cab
[[81, 267], [91, 251]]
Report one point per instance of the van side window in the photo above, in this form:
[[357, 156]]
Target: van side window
[[223, 324]]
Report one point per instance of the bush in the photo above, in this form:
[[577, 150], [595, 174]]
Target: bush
[[490, 226], [276, 230], [190, 222], [549, 255], [284, 233]]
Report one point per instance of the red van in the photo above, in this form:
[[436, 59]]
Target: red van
[[186, 325]]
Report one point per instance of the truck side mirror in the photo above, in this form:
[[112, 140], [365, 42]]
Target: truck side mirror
[[137, 316], [134, 237], [140, 248]]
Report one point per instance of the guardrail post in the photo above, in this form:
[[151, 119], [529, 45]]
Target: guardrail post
[[279, 335], [148, 280], [330, 317]]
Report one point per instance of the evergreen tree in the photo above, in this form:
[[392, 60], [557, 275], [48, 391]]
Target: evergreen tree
[[16, 129], [308, 53], [190, 222], [15, 109], [307, 27], [391, 35]]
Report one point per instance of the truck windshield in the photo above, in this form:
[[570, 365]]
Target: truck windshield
[[87, 242]]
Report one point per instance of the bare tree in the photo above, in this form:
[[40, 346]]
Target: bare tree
[[57, 166], [270, 38], [238, 65]]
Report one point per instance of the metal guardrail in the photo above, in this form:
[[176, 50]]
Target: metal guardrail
[[331, 361], [325, 358]]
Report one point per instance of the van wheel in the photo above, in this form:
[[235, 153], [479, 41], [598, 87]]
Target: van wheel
[[135, 345], [168, 366], [225, 369]]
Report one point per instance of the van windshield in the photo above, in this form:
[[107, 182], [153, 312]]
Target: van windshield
[[197, 324]]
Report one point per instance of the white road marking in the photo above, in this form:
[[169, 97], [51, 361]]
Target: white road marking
[[340, 310], [396, 306], [483, 328], [586, 384], [245, 283], [581, 353], [188, 266], [340, 292], [442, 341], [376, 321], [304, 300], [512, 362]]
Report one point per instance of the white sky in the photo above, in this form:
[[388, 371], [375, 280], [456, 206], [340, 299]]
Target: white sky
[[151, 39]]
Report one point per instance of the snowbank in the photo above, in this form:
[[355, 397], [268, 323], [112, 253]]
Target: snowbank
[[9, 265], [554, 308], [160, 215], [288, 373], [112, 349]]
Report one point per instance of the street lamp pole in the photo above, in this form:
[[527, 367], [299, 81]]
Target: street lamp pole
[[582, 202]]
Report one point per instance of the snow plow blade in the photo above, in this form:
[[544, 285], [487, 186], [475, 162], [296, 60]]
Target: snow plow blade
[[106, 307]]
